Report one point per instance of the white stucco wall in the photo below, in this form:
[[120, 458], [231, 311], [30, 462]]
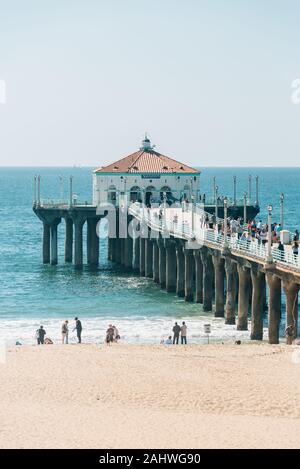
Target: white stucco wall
[[177, 183]]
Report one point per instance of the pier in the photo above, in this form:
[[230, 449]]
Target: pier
[[226, 275]]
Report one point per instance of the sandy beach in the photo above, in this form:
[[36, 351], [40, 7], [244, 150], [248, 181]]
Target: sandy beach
[[146, 396]]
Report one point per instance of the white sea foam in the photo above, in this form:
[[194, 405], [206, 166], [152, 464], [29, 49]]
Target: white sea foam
[[132, 330]]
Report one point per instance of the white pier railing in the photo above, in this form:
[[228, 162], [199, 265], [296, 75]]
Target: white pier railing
[[190, 227]]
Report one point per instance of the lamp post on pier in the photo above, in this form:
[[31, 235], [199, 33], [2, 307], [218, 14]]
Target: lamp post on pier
[[71, 191], [61, 185], [257, 199], [281, 209], [269, 256], [250, 187], [216, 202], [192, 188], [35, 189], [143, 203], [234, 190], [193, 213], [125, 190], [225, 222], [164, 211], [214, 189], [245, 207], [39, 190]]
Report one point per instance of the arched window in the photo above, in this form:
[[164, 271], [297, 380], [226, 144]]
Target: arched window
[[112, 194], [168, 192], [135, 194], [150, 195]]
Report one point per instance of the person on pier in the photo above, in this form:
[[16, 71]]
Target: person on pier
[[295, 249]]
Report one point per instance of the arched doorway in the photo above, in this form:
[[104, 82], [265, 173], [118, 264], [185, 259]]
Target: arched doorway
[[149, 194], [135, 194], [168, 192]]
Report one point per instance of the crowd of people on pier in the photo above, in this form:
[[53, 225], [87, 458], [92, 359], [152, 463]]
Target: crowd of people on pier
[[251, 231]]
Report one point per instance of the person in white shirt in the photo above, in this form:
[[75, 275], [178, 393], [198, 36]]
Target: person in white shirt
[[233, 226], [183, 331], [65, 332]]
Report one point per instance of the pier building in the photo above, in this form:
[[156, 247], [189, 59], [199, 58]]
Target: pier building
[[144, 176]]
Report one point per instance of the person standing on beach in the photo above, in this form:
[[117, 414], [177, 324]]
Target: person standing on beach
[[78, 328], [183, 331], [109, 335], [176, 332], [40, 335], [65, 332], [116, 334]]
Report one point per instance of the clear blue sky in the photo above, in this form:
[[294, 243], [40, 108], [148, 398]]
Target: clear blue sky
[[210, 80]]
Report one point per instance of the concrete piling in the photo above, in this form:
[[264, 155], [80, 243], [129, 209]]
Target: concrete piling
[[274, 310], [218, 262], [189, 267], [231, 272], [78, 257], [53, 246], [198, 277], [207, 279], [243, 298], [162, 263], [291, 290], [69, 240], [142, 256], [148, 258], [128, 252], [170, 266], [155, 261], [46, 243], [136, 254], [180, 265], [257, 304]]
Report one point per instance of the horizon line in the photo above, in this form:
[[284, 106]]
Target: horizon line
[[92, 166]]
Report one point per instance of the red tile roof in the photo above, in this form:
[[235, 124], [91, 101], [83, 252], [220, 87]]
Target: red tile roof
[[144, 161]]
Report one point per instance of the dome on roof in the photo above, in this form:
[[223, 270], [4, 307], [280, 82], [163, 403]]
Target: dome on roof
[[146, 144]]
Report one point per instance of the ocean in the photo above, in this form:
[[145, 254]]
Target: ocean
[[32, 294]]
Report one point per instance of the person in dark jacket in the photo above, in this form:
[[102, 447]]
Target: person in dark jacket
[[78, 327], [176, 332], [40, 335]]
